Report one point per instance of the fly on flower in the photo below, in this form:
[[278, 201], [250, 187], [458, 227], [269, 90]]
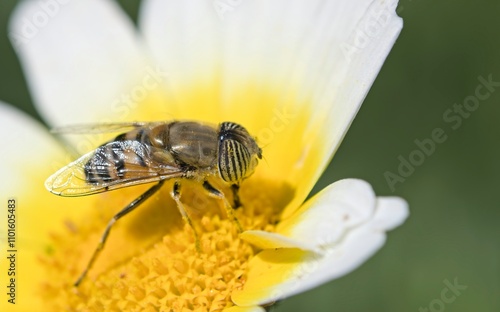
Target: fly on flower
[[156, 152]]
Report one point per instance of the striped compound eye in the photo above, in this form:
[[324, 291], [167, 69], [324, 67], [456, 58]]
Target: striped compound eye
[[234, 160], [237, 152]]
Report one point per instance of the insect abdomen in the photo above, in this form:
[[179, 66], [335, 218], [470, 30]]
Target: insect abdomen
[[108, 163]]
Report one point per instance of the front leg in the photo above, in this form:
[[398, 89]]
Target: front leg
[[236, 197], [219, 195]]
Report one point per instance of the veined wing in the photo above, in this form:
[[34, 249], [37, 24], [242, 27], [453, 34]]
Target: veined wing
[[112, 166], [95, 128]]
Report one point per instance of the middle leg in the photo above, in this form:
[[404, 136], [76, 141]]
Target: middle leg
[[176, 196], [236, 197]]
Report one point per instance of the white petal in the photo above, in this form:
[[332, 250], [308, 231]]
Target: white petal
[[381, 26], [325, 218], [279, 273], [26, 144], [341, 74], [29, 155], [391, 212], [310, 271], [328, 216], [82, 59], [184, 38]]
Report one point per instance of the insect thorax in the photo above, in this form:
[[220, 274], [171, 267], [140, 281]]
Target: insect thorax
[[193, 144]]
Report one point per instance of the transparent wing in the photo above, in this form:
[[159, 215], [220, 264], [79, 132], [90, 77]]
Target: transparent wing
[[112, 166], [103, 127]]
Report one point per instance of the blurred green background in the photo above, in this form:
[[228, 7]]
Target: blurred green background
[[454, 228]]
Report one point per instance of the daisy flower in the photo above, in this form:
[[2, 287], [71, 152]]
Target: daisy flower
[[294, 73]]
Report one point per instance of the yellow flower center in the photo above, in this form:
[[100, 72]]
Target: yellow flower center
[[150, 262]]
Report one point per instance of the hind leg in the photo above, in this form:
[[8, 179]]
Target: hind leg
[[130, 207]]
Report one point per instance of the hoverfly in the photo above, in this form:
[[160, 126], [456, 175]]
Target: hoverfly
[[156, 152]]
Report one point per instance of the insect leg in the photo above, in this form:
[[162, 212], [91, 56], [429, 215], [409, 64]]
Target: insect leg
[[229, 210], [236, 197], [134, 204], [176, 195]]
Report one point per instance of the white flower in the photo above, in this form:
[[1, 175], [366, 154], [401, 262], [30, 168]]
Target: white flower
[[294, 73]]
